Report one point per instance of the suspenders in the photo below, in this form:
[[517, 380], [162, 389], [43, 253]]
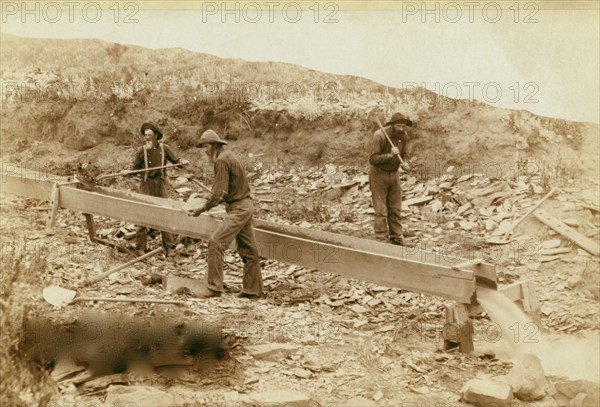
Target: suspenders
[[162, 160]]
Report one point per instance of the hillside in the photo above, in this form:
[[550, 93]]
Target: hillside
[[329, 339], [85, 95]]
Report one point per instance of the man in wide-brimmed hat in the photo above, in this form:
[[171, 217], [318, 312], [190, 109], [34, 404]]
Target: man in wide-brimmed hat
[[154, 182], [384, 180], [231, 187]]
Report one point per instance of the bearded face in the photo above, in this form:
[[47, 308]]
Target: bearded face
[[399, 129]]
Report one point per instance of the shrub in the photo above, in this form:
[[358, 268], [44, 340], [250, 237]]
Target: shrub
[[22, 384]]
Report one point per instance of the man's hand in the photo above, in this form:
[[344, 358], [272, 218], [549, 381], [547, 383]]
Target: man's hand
[[395, 151], [124, 172], [184, 161], [196, 212], [405, 166]]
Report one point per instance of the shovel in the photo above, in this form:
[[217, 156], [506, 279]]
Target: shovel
[[99, 277], [60, 297]]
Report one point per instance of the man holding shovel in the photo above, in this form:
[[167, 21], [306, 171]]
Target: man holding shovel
[[230, 186], [386, 148], [154, 181]]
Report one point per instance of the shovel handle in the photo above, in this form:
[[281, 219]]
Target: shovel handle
[[533, 208], [118, 174], [122, 266], [201, 185]]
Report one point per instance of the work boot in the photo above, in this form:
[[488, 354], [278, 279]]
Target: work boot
[[208, 293], [140, 252], [250, 296], [401, 241], [398, 241], [170, 253]]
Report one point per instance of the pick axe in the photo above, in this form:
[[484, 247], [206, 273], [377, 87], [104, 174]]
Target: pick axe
[[389, 139]]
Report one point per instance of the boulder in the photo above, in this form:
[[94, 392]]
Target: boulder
[[137, 395], [527, 378], [487, 392]]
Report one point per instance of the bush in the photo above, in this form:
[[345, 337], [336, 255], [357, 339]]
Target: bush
[[22, 384]]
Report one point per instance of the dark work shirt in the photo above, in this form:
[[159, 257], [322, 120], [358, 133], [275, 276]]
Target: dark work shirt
[[230, 184], [380, 151], [154, 160]]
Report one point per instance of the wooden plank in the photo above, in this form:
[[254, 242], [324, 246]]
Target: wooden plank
[[568, 232], [531, 304], [417, 254], [512, 291], [380, 268], [373, 267], [481, 269]]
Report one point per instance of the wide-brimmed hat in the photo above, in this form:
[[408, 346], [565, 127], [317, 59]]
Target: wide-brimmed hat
[[210, 137], [399, 118], [152, 127]]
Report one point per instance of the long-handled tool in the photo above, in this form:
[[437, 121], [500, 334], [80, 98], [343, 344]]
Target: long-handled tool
[[60, 297], [122, 266], [122, 173], [504, 238], [201, 185], [388, 138]]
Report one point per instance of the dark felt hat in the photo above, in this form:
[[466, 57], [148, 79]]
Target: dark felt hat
[[152, 127], [399, 118], [210, 137]]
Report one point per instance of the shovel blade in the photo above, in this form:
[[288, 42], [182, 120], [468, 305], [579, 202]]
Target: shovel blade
[[58, 296]]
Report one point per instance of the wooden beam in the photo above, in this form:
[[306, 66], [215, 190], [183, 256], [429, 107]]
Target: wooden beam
[[484, 271], [385, 267], [415, 254], [568, 232]]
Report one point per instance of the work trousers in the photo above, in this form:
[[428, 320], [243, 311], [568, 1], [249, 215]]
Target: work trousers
[[153, 187], [387, 203], [236, 224]]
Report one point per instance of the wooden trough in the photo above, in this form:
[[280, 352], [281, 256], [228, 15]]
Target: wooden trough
[[410, 269]]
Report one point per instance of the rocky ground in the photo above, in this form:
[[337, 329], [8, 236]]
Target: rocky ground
[[316, 339], [319, 339]]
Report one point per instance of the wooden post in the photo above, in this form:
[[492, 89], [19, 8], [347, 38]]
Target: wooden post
[[529, 301], [91, 227], [458, 330], [54, 201]]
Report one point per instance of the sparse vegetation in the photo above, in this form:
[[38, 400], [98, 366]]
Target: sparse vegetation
[[557, 173], [29, 386]]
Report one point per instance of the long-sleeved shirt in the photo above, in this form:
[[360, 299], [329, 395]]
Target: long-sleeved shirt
[[155, 159], [230, 184], [380, 151]]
